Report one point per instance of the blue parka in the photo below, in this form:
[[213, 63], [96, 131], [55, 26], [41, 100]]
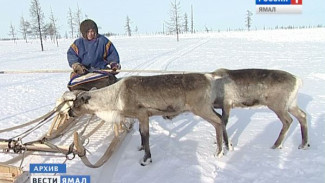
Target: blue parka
[[94, 54]]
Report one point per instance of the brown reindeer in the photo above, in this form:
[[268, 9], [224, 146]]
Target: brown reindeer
[[274, 89]]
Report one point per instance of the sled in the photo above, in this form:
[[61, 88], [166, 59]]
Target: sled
[[9, 173], [78, 131], [81, 128]]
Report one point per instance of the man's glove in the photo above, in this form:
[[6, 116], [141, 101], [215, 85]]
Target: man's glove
[[114, 66], [79, 69]]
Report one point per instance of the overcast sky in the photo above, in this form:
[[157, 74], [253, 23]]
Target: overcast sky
[[149, 15]]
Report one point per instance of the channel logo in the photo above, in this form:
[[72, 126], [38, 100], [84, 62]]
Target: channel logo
[[60, 179], [278, 6], [40, 174]]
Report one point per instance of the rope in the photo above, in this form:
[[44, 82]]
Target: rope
[[37, 126], [153, 71], [107, 70], [33, 71], [22, 160], [28, 123], [25, 154], [52, 146], [87, 124], [44, 117], [36, 153], [108, 153], [78, 144]]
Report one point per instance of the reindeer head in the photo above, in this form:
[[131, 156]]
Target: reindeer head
[[79, 100]]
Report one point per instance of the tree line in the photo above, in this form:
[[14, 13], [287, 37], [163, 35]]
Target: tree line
[[176, 24], [38, 27]]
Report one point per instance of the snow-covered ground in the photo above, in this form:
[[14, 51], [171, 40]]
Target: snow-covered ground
[[183, 149]]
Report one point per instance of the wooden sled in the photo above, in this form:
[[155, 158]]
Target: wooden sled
[[63, 125], [61, 121], [12, 174], [9, 173]]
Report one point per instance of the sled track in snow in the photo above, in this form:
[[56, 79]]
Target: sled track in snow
[[165, 59]]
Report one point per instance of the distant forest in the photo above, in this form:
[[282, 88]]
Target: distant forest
[[39, 27]]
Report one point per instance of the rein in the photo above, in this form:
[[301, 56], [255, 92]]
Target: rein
[[107, 70]]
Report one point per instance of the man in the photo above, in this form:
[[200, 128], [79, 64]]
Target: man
[[92, 51]]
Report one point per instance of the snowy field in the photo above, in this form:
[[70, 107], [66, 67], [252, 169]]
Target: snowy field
[[183, 149]]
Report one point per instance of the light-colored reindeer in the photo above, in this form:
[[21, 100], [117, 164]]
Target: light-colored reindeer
[[144, 96]]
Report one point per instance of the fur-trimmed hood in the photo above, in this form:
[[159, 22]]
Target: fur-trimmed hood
[[86, 25]]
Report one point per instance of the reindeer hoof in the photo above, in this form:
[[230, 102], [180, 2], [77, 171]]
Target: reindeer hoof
[[146, 162], [276, 147], [219, 154], [230, 147], [304, 146]]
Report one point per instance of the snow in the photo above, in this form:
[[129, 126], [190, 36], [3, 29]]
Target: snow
[[183, 149]]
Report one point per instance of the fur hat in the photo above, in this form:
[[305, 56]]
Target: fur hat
[[86, 25]]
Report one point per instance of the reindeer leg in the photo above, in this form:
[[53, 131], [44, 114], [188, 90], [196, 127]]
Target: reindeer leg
[[286, 122], [213, 118], [225, 117], [144, 132], [219, 129], [301, 116], [141, 147]]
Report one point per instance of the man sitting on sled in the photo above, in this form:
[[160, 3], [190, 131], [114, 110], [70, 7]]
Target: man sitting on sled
[[92, 53]]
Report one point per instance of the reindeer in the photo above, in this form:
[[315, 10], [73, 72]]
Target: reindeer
[[274, 89], [143, 96]]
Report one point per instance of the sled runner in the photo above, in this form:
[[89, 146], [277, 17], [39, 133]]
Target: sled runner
[[78, 132]]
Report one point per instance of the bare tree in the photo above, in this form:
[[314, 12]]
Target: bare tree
[[66, 35], [174, 23], [249, 19], [24, 28], [12, 32], [127, 26], [54, 29], [77, 19], [71, 22], [185, 23], [163, 31], [206, 29], [192, 21], [48, 31], [37, 18]]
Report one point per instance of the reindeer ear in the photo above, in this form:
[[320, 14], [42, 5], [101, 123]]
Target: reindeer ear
[[85, 99], [82, 99]]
